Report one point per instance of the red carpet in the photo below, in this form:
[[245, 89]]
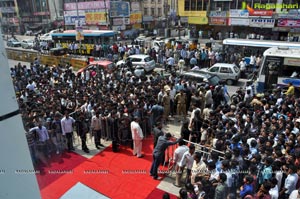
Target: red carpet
[[157, 194], [113, 180]]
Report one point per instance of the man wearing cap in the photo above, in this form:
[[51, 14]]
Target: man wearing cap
[[137, 137], [159, 151]]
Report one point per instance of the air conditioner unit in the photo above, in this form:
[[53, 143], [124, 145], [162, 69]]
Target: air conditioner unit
[[218, 9]]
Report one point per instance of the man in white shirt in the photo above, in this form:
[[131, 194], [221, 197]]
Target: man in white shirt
[[96, 128], [43, 137], [290, 181], [274, 192], [67, 129], [199, 167], [137, 137], [187, 161], [178, 154]]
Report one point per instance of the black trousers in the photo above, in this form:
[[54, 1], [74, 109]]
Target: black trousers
[[83, 141], [97, 137], [69, 137]]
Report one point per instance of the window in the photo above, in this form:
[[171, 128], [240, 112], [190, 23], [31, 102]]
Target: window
[[224, 70], [195, 5], [152, 12], [214, 69], [159, 12], [146, 11]]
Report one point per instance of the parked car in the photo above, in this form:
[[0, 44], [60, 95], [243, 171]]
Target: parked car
[[201, 78], [145, 61], [13, 43], [28, 33], [48, 36], [102, 64], [228, 72], [28, 44]]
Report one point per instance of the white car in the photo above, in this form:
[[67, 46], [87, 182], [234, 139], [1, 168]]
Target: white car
[[145, 61], [228, 72], [28, 44], [48, 36]]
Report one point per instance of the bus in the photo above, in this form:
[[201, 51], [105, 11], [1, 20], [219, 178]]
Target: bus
[[90, 37], [280, 66], [248, 47]]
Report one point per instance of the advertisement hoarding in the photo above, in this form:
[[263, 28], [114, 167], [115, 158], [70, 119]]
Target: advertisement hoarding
[[119, 9]]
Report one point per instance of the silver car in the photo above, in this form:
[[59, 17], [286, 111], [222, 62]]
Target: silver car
[[228, 72], [28, 44], [145, 61]]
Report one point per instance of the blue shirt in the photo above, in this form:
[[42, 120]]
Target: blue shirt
[[247, 189]]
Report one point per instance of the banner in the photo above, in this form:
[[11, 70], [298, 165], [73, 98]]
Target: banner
[[288, 23], [90, 5], [135, 17], [96, 18], [263, 23]]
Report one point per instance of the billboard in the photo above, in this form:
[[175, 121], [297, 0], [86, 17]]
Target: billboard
[[119, 9], [96, 18], [90, 5]]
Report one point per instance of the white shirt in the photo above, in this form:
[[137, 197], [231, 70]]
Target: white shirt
[[294, 195], [178, 153], [42, 132], [136, 130], [67, 125], [290, 183], [187, 160], [274, 192]]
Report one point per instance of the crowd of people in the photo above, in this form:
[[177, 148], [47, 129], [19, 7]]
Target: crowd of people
[[253, 145]]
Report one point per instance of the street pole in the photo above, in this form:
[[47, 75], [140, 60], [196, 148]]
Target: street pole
[[79, 23]]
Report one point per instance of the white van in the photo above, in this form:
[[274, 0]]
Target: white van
[[228, 72]]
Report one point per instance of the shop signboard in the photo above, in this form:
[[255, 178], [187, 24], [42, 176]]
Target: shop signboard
[[218, 21], [238, 22], [288, 23], [261, 13], [238, 13], [198, 20], [119, 9], [218, 14], [121, 21], [90, 5], [262, 22], [147, 18]]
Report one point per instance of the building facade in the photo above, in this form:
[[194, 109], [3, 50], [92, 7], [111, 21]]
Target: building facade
[[269, 19], [9, 16]]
